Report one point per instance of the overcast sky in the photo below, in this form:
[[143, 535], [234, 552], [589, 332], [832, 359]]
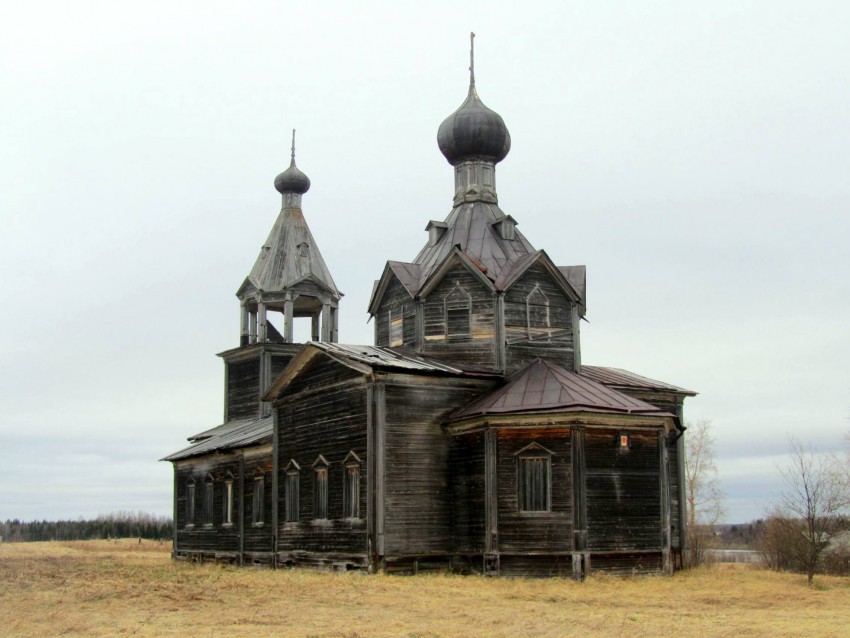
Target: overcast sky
[[695, 156]]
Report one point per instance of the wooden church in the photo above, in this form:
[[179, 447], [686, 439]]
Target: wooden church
[[470, 436]]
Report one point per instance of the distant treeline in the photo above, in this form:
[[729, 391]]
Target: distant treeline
[[116, 525]]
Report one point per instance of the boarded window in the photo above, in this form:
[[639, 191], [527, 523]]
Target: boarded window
[[259, 499], [227, 512], [209, 491], [534, 489], [458, 309], [292, 496], [396, 319], [320, 493], [190, 503], [537, 308], [351, 495]]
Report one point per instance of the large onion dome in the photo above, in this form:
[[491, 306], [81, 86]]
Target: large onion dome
[[474, 132]]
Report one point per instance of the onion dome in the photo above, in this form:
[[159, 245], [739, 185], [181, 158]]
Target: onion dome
[[292, 180], [473, 131]]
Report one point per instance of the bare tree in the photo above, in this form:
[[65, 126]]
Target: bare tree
[[810, 506], [702, 489]]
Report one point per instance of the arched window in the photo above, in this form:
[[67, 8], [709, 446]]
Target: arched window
[[537, 309], [209, 491], [258, 504], [190, 503], [320, 489], [458, 309], [293, 472], [227, 510], [351, 486], [534, 479]]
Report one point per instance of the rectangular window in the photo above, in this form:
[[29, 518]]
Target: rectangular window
[[534, 479], [351, 495], [320, 493], [396, 319], [259, 501], [190, 505], [208, 502], [228, 503], [457, 321], [292, 496]]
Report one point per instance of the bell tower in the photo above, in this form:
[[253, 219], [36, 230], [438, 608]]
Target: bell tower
[[289, 280]]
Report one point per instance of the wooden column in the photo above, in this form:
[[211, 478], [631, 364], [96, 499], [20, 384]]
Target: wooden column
[[244, 321], [491, 501], [326, 321], [314, 327], [371, 543], [501, 345], [379, 396], [288, 312], [252, 327], [335, 324], [581, 557], [275, 483], [262, 333], [684, 545], [666, 559]]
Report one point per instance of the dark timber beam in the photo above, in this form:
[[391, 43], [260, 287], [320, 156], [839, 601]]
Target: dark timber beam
[[581, 557]]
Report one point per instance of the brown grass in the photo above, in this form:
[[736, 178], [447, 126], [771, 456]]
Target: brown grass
[[101, 588]]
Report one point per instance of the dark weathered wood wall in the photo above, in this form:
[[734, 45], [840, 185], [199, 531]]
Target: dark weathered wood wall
[[314, 419], [418, 504], [467, 476], [623, 492], [396, 300], [243, 389]]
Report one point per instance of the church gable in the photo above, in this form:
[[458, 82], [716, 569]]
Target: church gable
[[395, 317], [459, 319], [539, 319]]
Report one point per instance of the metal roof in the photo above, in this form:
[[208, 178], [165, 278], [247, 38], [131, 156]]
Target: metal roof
[[230, 436], [386, 358], [623, 378], [545, 387], [290, 255]]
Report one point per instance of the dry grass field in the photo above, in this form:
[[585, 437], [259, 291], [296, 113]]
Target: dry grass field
[[98, 588]]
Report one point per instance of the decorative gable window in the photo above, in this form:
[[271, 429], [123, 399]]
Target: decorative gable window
[[458, 309], [537, 309], [320, 489], [227, 518], [435, 231], [396, 319], [293, 472], [259, 501], [209, 490], [190, 503], [351, 486], [534, 469], [507, 228]]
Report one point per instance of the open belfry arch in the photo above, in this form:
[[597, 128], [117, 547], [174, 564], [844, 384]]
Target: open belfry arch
[[470, 436]]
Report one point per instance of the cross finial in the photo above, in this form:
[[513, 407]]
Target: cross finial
[[293, 146], [471, 60]]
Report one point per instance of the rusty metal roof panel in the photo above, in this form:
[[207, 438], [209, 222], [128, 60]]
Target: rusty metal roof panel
[[618, 377], [241, 434], [545, 387]]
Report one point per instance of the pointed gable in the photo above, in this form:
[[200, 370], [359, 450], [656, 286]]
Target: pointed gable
[[545, 387]]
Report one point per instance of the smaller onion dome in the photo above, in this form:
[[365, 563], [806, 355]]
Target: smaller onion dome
[[474, 132], [292, 180]]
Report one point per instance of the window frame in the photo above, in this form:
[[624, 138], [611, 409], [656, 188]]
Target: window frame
[[458, 303], [292, 487], [258, 501], [190, 503], [209, 501], [527, 503], [227, 505], [351, 478], [320, 489], [395, 327], [537, 325]]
